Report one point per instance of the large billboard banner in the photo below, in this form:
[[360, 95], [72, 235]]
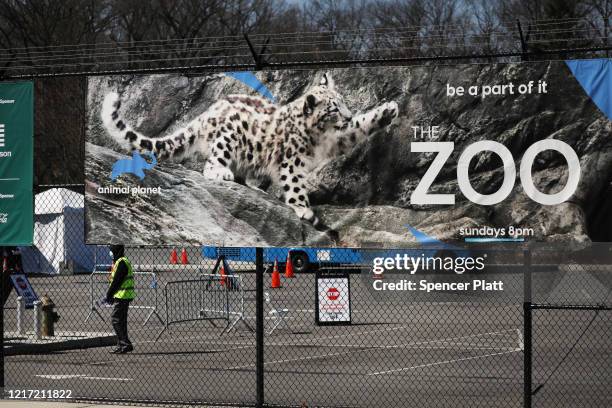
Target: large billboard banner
[[16, 163], [339, 157]]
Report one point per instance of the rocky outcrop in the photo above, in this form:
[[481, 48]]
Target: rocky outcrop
[[188, 209], [385, 172]]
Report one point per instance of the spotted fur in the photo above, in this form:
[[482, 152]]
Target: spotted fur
[[344, 138], [250, 136]]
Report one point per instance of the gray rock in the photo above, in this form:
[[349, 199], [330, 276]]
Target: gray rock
[[189, 209], [384, 172]]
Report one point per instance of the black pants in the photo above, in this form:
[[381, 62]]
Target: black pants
[[7, 285], [120, 324]]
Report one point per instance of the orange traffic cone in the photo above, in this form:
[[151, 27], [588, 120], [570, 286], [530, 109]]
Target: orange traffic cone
[[289, 268], [276, 282], [223, 274], [184, 260], [173, 257]]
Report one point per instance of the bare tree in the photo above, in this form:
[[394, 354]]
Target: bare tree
[[421, 28], [398, 27], [487, 34], [37, 32], [446, 27], [599, 15], [165, 33], [193, 26], [327, 29], [551, 24]]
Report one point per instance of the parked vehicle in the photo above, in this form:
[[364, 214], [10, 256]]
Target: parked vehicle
[[352, 259]]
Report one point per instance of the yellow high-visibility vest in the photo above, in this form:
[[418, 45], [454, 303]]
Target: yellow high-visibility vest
[[126, 290]]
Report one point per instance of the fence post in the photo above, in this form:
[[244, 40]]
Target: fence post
[[259, 327], [527, 331], [37, 319], [21, 315]]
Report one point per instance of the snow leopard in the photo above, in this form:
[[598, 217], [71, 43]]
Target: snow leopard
[[251, 136], [342, 139]]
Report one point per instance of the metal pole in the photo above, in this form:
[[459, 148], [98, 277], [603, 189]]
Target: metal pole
[[21, 312], [227, 301], [527, 332], [38, 320], [259, 327]]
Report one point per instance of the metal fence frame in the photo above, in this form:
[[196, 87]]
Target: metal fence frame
[[529, 306], [231, 310], [102, 270], [240, 316], [228, 306]]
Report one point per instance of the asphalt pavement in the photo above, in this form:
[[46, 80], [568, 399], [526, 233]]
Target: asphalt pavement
[[395, 353]]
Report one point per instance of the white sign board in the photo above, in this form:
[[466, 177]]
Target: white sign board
[[333, 299], [24, 289]]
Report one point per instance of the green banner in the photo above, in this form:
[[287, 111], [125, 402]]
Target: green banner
[[16, 163]]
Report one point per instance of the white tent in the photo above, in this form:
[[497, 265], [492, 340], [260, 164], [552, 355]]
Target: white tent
[[59, 235]]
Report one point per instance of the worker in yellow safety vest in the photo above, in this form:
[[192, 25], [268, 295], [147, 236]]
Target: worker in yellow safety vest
[[120, 293]]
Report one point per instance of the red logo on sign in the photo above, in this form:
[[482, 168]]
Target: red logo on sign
[[333, 294], [21, 283]]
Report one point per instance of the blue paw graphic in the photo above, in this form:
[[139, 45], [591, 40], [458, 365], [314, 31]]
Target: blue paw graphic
[[136, 165]]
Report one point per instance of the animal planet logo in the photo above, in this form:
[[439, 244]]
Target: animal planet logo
[[136, 165]]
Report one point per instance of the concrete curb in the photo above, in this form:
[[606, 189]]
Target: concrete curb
[[5, 403], [41, 348]]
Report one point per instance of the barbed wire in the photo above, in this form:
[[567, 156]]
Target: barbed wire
[[220, 67], [361, 45], [168, 55], [238, 39], [468, 40]]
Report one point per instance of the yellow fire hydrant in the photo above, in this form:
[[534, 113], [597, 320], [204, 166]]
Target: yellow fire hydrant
[[49, 316]]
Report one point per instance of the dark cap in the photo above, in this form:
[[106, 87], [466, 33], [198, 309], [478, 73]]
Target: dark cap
[[118, 251]]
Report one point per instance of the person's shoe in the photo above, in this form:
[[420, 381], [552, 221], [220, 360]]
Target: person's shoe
[[127, 349], [116, 350]]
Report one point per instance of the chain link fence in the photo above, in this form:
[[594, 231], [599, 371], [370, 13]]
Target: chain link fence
[[571, 326], [234, 326]]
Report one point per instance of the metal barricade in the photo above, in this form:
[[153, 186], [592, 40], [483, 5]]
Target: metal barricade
[[236, 307], [210, 297], [97, 290]]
